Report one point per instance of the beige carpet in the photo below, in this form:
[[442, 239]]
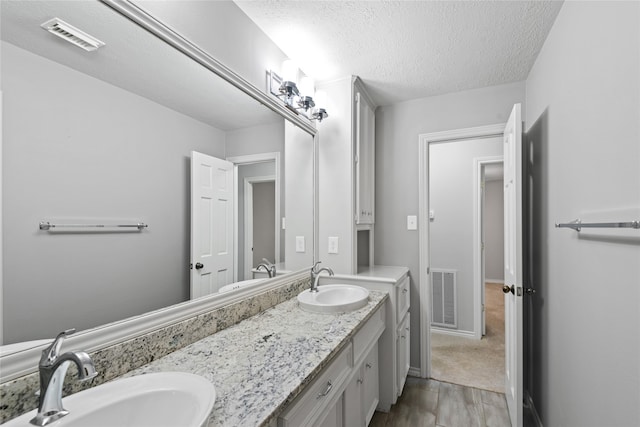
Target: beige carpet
[[471, 362]]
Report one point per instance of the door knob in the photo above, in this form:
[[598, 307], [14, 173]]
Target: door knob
[[199, 265], [530, 291], [506, 288]]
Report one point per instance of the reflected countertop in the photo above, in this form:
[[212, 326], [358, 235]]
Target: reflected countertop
[[261, 364]]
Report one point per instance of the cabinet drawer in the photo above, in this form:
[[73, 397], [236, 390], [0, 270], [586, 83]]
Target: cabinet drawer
[[368, 334], [317, 398], [404, 298]]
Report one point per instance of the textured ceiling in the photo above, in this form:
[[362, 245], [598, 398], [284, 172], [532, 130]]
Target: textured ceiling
[[409, 49]]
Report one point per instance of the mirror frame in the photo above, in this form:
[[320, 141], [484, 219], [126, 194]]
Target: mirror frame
[[25, 362]]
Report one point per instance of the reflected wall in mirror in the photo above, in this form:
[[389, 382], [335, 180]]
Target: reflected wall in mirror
[[107, 136]]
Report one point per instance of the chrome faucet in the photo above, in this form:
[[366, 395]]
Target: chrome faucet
[[268, 267], [315, 276], [53, 367]]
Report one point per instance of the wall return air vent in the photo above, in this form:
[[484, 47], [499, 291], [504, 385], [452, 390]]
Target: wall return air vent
[[72, 34]]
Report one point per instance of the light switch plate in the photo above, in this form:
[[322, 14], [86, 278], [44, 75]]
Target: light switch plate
[[412, 222], [300, 244], [333, 245]]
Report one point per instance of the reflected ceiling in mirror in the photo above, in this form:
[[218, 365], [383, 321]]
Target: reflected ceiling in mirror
[[133, 60]]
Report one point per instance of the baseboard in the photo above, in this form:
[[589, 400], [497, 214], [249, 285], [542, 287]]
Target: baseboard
[[454, 332], [499, 281], [414, 372], [529, 402]]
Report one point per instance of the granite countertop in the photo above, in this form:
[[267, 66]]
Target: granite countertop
[[261, 364]]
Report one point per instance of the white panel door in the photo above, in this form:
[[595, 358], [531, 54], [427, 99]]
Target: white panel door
[[513, 265], [212, 219]]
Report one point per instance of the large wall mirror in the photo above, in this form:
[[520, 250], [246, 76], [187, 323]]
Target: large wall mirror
[[106, 137]]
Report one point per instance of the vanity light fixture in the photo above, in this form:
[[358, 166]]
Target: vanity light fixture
[[320, 112], [302, 99]]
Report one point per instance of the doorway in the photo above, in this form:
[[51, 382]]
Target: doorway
[[258, 211], [259, 219], [461, 223]]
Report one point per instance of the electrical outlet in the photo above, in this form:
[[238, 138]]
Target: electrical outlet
[[333, 245], [300, 244], [412, 222]]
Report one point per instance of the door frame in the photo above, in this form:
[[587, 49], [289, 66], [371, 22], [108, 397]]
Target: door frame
[[248, 221], [495, 130], [247, 160], [478, 237]]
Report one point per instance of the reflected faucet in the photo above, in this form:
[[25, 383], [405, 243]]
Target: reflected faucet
[[268, 267], [53, 367], [315, 275]]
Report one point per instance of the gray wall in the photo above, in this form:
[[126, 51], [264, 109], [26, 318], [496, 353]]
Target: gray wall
[[75, 147], [582, 118], [299, 204], [451, 197], [494, 231], [397, 130]]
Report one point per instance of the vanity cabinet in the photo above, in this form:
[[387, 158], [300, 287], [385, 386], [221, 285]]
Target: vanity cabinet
[[363, 394], [346, 176], [337, 397], [323, 397], [364, 156], [403, 335], [394, 343]]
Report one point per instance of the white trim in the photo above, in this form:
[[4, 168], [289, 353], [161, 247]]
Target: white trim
[[25, 362], [500, 281], [423, 225], [454, 332], [478, 259], [414, 372]]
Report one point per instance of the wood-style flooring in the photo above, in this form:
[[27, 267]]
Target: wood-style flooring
[[431, 403]]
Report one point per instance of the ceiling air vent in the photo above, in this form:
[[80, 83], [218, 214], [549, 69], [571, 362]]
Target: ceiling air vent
[[72, 34]]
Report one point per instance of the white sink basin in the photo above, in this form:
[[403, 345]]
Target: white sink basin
[[334, 298], [159, 399]]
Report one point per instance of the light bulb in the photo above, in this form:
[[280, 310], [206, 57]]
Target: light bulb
[[306, 87], [290, 71], [321, 99]]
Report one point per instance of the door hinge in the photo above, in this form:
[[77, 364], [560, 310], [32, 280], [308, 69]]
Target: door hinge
[[428, 270]]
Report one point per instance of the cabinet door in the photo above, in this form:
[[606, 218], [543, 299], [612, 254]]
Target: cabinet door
[[353, 394], [333, 416], [371, 395], [403, 344], [365, 160]]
